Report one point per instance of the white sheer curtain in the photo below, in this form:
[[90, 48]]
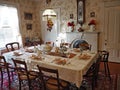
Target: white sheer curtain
[[9, 26]]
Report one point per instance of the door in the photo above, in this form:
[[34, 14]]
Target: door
[[50, 35], [112, 30]]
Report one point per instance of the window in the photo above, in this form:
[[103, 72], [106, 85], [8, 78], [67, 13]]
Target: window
[[9, 26]]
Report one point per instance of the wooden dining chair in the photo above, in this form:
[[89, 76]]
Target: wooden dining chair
[[78, 43], [51, 82], [12, 46], [104, 58], [92, 73], [50, 43], [24, 74], [85, 46], [5, 68]]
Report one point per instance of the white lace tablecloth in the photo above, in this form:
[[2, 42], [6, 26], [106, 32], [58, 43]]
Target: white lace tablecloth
[[72, 71]]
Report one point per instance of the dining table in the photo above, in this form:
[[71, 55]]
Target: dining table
[[71, 66]]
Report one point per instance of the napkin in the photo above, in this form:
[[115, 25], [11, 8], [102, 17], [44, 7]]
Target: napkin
[[84, 56], [71, 55], [30, 50], [59, 61], [53, 53], [35, 57], [76, 50], [17, 53]]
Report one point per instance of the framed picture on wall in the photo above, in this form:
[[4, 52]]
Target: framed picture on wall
[[28, 16], [80, 11], [29, 26]]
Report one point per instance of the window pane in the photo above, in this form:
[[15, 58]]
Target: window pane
[[9, 26]]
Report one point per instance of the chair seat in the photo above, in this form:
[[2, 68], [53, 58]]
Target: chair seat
[[34, 73], [24, 77]]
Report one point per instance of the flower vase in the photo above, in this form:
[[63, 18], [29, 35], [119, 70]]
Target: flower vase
[[92, 27], [70, 29]]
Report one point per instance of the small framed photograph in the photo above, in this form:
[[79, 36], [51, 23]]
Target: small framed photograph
[[81, 11], [92, 14], [29, 26], [28, 16], [71, 16]]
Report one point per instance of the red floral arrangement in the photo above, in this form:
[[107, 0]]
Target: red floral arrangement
[[92, 22], [71, 23]]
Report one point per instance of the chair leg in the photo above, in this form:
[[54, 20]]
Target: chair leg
[[105, 68], [82, 88], [19, 84], [29, 84], [93, 83], [1, 78], [108, 71], [8, 77], [12, 75]]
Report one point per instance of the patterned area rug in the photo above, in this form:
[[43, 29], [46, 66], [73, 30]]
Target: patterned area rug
[[15, 84], [103, 84]]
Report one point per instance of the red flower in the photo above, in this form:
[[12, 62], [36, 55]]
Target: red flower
[[71, 23], [92, 22]]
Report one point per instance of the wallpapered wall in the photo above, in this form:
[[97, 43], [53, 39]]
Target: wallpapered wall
[[70, 7], [67, 7]]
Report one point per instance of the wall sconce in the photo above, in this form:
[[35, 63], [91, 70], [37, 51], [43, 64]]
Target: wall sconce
[[48, 15]]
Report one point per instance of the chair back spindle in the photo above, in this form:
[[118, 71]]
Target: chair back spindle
[[50, 79]]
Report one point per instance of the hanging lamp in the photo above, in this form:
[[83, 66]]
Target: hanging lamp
[[49, 12], [48, 15]]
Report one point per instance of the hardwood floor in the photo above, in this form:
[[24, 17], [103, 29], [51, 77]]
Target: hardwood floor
[[114, 67]]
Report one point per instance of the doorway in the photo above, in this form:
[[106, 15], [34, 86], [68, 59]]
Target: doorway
[[112, 30], [50, 35]]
